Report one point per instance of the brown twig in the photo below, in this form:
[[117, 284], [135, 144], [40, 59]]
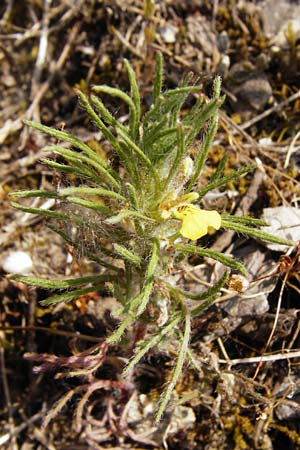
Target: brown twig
[[67, 334], [226, 238], [261, 359], [42, 50], [284, 281], [7, 399], [126, 44], [263, 115], [4, 438], [32, 111], [56, 69]]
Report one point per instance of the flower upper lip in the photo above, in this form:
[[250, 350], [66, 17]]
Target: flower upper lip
[[196, 222]]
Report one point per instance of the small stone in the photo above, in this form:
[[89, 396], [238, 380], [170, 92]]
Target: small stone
[[288, 410], [284, 223], [265, 141], [168, 34], [17, 262], [248, 307]]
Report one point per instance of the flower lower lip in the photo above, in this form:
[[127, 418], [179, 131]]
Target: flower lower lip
[[197, 222]]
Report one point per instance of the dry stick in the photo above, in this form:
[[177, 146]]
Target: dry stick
[[18, 165], [55, 13], [127, 431], [169, 53], [214, 14], [84, 337], [42, 436], [274, 324], [94, 63], [58, 66], [291, 149], [32, 309], [14, 68], [225, 239], [295, 336], [4, 438], [261, 166], [230, 123], [140, 11], [41, 56], [126, 43], [45, 86], [269, 111], [261, 359], [7, 14], [7, 398]]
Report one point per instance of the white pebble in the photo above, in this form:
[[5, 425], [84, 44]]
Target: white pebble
[[265, 141], [17, 262], [168, 34]]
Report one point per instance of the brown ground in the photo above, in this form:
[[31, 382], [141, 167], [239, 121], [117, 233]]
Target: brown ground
[[255, 47]]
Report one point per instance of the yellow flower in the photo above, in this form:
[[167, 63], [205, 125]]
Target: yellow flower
[[197, 222]]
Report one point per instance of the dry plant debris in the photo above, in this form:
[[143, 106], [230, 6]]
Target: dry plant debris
[[241, 390]]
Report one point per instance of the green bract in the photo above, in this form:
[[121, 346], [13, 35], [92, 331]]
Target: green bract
[[130, 211]]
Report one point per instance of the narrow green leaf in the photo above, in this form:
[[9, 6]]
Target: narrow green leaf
[[217, 256], [84, 174], [255, 233], [125, 154], [204, 295], [118, 333], [71, 295], [74, 157], [141, 300], [245, 220], [114, 92], [194, 112], [217, 86], [106, 115], [48, 213], [180, 94], [147, 288], [158, 136], [59, 284], [205, 113], [135, 94], [90, 191], [144, 347], [166, 395], [180, 153], [133, 195], [182, 90], [225, 180], [125, 214], [202, 154], [34, 193], [107, 133], [219, 170], [139, 152], [127, 254], [209, 300], [66, 137], [96, 206]]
